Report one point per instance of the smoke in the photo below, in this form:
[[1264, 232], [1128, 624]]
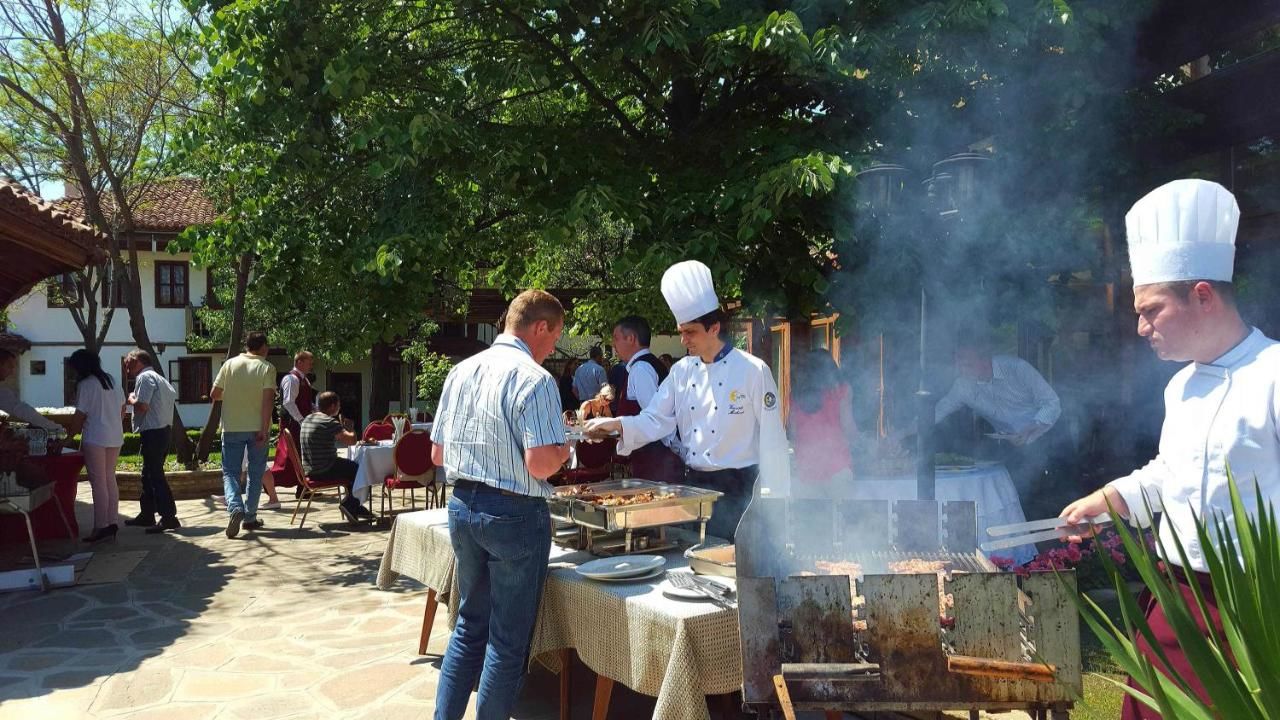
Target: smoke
[[1022, 238]]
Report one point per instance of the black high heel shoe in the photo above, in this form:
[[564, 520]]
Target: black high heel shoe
[[106, 533]]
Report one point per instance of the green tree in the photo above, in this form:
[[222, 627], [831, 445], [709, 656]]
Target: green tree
[[398, 153]]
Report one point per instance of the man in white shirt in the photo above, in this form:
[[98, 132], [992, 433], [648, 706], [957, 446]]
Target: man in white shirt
[[152, 401], [1221, 410], [297, 397], [644, 374], [9, 402], [723, 401], [590, 376], [1005, 391]]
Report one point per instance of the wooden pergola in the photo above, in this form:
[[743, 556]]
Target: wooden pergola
[[37, 241]]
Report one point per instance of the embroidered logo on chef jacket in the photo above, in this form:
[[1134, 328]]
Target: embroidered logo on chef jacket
[[737, 402], [770, 400]]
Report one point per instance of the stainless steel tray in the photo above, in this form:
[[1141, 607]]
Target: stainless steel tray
[[688, 504]]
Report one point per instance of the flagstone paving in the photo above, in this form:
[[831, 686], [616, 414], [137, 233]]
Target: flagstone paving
[[281, 623]]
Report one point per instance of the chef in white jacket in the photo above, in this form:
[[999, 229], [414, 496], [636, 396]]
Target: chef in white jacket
[[1221, 409], [723, 401]]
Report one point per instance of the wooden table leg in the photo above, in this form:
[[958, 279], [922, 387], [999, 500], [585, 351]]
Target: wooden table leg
[[428, 619], [604, 688], [726, 706], [566, 671]]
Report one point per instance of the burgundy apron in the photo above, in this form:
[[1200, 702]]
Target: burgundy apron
[[1168, 640], [654, 461]]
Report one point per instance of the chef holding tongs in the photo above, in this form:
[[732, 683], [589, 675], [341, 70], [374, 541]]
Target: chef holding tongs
[[1220, 410], [723, 401]]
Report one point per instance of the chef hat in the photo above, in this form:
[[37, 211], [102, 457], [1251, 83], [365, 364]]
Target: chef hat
[[1183, 230], [689, 291]]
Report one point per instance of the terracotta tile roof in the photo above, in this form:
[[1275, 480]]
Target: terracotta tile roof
[[168, 205], [38, 240], [18, 202], [14, 343]]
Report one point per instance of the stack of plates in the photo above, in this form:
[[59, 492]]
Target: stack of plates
[[627, 568]]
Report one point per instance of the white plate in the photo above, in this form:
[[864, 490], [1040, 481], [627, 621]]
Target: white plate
[[672, 591], [656, 572], [621, 567]]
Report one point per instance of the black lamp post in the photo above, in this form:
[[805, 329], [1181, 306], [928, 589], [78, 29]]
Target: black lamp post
[[952, 188]]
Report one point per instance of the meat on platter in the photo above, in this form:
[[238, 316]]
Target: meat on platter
[[584, 494]]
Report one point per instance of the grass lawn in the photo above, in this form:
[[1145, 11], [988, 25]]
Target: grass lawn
[[133, 463]]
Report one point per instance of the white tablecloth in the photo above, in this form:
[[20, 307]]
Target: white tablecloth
[[988, 485], [376, 463]]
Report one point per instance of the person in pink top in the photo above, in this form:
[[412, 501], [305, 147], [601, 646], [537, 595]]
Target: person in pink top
[[821, 425]]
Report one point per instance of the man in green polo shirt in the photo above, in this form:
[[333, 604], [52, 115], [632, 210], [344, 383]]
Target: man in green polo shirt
[[246, 385]]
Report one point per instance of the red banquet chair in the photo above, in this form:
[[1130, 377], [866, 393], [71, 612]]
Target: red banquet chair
[[310, 488], [378, 430], [414, 470]]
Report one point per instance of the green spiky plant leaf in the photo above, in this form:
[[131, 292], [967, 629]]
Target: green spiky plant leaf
[[1239, 668]]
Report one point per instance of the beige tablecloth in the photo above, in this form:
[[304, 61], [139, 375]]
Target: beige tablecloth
[[673, 650]]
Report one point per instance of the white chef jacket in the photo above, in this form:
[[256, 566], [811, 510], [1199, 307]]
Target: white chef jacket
[[728, 414], [1014, 400], [18, 410], [1215, 414]]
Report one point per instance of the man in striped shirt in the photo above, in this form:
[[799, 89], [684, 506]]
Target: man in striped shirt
[[499, 435]]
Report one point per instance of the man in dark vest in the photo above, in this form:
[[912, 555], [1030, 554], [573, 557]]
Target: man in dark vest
[[297, 400], [644, 373]]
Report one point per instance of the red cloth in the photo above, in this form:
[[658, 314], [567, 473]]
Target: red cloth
[[821, 448], [1168, 640], [64, 471], [280, 471]]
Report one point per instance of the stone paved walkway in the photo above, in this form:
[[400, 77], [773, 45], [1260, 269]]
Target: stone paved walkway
[[281, 623]]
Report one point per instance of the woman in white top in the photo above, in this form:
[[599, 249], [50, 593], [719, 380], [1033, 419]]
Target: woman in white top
[[100, 402]]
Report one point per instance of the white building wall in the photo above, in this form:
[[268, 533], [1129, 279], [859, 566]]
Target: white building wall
[[54, 336]]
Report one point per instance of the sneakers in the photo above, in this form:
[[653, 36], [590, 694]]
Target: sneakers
[[219, 499], [141, 521], [269, 506], [233, 525], [165, 524], [254, 524]]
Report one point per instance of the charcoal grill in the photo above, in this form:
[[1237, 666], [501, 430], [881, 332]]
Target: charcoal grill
[[1006, 642]]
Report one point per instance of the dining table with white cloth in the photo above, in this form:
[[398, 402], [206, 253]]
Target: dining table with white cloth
[[376, 463], [987, 484], [675, 650]]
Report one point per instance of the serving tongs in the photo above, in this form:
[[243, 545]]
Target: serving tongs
[[1026, 533]]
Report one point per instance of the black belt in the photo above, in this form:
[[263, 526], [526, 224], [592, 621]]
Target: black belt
[[473, 486]]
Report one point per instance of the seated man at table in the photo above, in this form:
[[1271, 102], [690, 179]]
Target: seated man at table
[[322, 430]]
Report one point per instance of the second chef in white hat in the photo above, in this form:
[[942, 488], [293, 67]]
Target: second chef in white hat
[[723, 402], [1220, 410]]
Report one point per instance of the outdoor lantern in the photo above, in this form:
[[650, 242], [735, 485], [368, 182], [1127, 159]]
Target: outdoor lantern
[[882, 185], [966, 173]]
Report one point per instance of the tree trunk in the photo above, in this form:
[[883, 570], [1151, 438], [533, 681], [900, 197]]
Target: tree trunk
[[233, 346], [379, 374]]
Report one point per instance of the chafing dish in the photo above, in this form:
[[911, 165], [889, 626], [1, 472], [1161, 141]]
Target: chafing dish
[[581, 506]]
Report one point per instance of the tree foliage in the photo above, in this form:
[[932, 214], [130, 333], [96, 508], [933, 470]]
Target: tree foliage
[[389, 156]]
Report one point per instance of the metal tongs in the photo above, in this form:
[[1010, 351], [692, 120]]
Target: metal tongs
[[1027, 533]]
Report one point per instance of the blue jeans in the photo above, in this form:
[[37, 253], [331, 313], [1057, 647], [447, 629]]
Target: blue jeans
[[234, 447], [502, 543]]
